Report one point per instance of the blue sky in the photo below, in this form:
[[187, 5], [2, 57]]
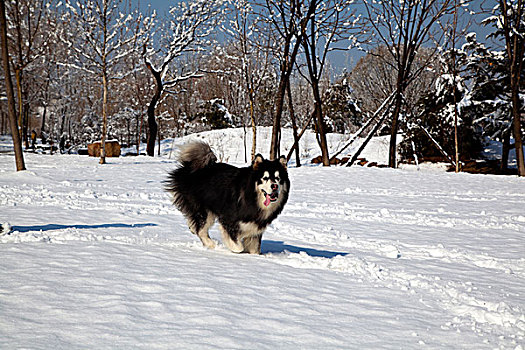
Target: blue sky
[[159, 5], [340, 59]]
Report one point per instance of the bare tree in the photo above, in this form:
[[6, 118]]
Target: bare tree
[[28, 43], [291, 111], [287, 18], [190, 25], [251, 44], [374, 78], [19, 156], [325, 27], [104, 36], [404, 27]]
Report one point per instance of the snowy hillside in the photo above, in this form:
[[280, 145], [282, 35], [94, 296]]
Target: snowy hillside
[[360, 258], [229, 145]]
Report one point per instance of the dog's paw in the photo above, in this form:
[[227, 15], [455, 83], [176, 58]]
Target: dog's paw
[[208, 243], [236, 247]]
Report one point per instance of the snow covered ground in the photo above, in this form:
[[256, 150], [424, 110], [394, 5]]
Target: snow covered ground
[[361, 258]]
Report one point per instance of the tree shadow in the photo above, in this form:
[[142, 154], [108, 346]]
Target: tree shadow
[[50, 227], [280, 247]]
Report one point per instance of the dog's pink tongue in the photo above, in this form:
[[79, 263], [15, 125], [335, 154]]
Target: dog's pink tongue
[[267, 201]]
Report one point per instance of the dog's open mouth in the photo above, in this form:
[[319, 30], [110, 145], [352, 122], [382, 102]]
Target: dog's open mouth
[[269, 198]]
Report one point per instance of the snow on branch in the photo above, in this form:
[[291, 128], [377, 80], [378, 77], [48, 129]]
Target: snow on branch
[[187, 30], [100, 35]]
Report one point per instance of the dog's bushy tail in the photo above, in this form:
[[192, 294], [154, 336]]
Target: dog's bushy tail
[[196, 155], [192, 156]]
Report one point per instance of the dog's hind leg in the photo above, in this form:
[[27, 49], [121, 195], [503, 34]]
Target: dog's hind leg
[[199, 225], [232, 244]]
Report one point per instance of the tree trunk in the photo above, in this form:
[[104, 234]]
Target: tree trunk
[[152, 122], [515, 48], [294, 126], [296, 143], [43, 127], [321, 129], [244, 132], [18, 78], [25, 123], [515, 73], [128, 127], [69, 132], [104, 84], [505, 149], [139, 132], [19, 156], [158, 141], [454, 75], [287, 64], [392, 153], [276, 128], [62, 122], [254, 127], [2, 129], [310, 52], [516, 128], [104, 117]]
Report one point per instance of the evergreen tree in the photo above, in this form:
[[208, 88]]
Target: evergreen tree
[[435, 121], [342, 111], [488, 101]]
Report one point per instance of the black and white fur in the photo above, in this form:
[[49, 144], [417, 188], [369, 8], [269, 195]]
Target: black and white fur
[[243, 200]]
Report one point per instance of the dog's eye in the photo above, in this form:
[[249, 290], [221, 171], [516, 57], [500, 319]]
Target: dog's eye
[[277, 179], [266, 178]]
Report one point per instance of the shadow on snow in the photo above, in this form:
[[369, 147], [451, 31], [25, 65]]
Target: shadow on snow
[[50, 227], [279, 247]]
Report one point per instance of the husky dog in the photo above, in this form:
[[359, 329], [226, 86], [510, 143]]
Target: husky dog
[[243, 200]]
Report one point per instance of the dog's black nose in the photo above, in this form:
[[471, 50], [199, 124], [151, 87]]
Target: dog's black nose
[[275, 187]]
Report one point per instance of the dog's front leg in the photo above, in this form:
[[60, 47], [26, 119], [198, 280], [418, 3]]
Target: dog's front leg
[[252, 244], [230, 238]]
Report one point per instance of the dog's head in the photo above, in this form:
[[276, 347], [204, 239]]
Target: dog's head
[[272, 183]]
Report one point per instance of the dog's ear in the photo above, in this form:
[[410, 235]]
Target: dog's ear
[[257, 161], [283, 161]]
